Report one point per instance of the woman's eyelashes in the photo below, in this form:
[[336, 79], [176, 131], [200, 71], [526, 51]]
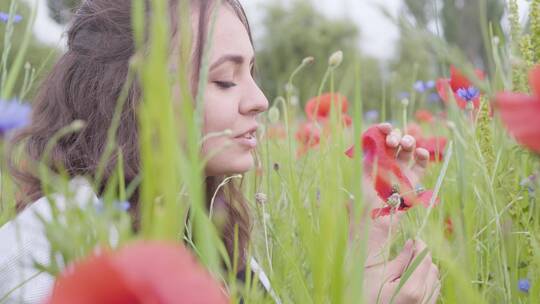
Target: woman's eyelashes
[[225, 84]]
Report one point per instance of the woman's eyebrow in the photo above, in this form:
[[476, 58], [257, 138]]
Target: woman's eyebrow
[[236, 59]]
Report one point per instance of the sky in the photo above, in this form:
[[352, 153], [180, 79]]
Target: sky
[[378, 34]]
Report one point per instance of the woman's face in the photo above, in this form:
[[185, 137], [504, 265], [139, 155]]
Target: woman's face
[[233, 101]]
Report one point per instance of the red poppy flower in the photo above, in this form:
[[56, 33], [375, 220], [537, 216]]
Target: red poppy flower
[[318, 108], [144, 272], [462, 88], [520, 113], [424, 116], [308, 134], [391, 183], [434, 145]]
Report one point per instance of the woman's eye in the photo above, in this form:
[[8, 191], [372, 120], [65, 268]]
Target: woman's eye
[[225, 84]]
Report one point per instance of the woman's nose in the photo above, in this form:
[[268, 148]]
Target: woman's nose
[[254, 102]]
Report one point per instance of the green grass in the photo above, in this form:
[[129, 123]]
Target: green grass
[[301, 234]]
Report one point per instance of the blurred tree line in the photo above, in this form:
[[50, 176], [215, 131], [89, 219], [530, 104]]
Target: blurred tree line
[[295, 30], [458, 22], [298, 30], [291, 33]]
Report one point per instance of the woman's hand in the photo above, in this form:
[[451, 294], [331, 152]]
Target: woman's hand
[[413, 162], [423, 286]]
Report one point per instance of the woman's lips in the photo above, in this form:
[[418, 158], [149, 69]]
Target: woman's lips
[[249, 140]]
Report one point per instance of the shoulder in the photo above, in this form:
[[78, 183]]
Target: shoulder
[[23, 243]]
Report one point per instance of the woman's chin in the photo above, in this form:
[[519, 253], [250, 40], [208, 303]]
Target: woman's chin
[[227, 165]]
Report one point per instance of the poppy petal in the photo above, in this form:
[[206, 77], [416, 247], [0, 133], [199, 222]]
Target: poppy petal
[[443, 85], [380, 163], [143, 272], [434, 145], [319, 107], [520, 114], [457, 79], [95, 280], [173, 277]]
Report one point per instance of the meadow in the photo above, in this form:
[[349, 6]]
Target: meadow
[[481, 221]]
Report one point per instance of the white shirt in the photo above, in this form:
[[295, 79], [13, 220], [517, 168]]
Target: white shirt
[[23, 242]]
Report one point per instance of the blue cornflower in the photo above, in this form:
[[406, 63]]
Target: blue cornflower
[[118, 205], [430, 84], [372, 116], [13, 115], [433, 98], [524, 285], [423, 86], [419, 86], [4, 17], [468, 94]]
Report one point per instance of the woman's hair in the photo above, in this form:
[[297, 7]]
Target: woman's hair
[[85, 84]]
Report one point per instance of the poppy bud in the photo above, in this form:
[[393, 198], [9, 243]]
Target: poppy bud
[[308, 60], [273, 114], [335, 59], [405, 102]]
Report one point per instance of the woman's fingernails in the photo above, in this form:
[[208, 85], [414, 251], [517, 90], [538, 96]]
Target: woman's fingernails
[[392, 141], [422, 153], [407, 141]]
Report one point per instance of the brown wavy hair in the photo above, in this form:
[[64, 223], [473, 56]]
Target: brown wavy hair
[[85, 84]]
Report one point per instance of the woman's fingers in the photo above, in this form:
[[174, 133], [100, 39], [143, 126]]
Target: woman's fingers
[[423, 282], [397, 266], [433, 286], [422, 286], [385, 128], [421, 161], [407, 144], [421, 157], [404, 145], [405, 150], [425, 265], [393, 139]]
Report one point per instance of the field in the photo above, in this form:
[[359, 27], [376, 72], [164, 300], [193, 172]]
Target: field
[[310, 213]]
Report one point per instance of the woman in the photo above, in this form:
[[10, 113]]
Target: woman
[[85, 85]]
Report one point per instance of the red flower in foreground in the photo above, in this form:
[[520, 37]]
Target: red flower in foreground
[[434, 145], [144, 272], [391, 183], [462, 88], [521, 113]]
